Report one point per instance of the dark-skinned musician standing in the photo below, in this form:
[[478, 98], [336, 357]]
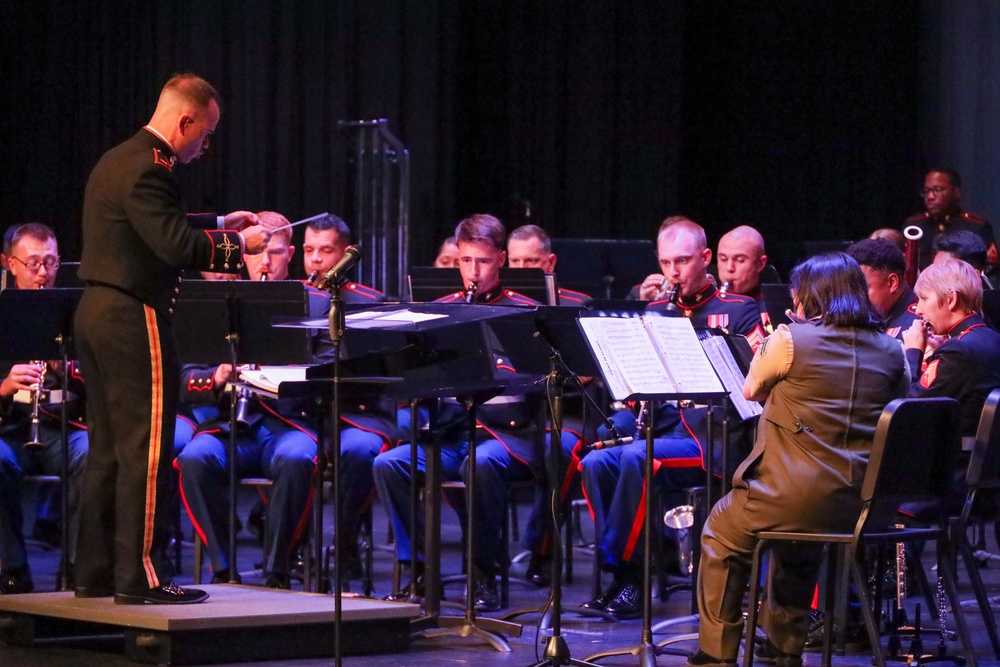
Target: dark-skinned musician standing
[[136, 239]]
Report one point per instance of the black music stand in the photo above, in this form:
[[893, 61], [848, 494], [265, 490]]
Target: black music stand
[[446, 356], [556, 348], [646, 650], [38, 324], [231, 320]]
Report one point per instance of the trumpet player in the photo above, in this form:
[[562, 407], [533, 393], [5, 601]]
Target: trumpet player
[[28, 447], [741, 259], [613, 478]]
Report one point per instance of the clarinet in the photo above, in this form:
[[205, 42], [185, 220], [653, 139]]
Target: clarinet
[[470, 292], [673, 296]]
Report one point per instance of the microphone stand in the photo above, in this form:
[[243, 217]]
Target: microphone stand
[[337, 326]]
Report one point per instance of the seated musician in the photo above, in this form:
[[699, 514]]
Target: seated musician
[[742, 258], [818, 409], [509, 446], [884, 265], [966, 246], [325, 241], [613, 478], [277, 442], [34, 259], [447, 257], [961, 357], [529, 247]]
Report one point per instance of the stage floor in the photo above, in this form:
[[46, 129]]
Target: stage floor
[[583, 636]]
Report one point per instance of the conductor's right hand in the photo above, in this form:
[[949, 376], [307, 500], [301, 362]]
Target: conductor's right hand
[[255, 238]]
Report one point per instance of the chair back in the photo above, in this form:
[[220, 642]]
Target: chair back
[[916, 444], [984, 465]]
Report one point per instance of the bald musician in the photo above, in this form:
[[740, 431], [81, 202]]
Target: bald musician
[[136, 240], [34, 261]]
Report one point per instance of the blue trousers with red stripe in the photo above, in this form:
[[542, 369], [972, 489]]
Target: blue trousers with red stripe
[[615, 484]]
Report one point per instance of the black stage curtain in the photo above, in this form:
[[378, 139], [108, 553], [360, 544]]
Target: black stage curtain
[[592, 118]]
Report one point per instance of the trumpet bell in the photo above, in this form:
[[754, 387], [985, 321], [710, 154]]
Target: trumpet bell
[[680, 517]]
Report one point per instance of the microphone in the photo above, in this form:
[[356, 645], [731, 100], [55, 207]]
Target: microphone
[[610, 442], [352, 255]]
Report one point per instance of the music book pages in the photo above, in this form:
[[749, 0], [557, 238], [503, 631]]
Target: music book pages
[[269, 377], [732, 377], [650, 355]]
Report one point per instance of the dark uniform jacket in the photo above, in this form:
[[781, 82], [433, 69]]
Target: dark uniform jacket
[[959, 220], [965, 367], [136, 237], [902, 315]]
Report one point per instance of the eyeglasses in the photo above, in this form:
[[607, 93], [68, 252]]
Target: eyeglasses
[[50, 263], [936, 190]]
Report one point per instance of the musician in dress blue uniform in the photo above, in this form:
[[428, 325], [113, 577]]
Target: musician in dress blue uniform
[[34, 260], [510, 444], [278, 442], [884, 265], [613, 479]]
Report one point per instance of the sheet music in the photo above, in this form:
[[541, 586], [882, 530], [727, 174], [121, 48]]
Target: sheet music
[[677, 345], [731, 375], [403, 315], [269, 377], [628, 356]]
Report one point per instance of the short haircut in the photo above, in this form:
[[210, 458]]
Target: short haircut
[[36, 230], [890, 234], [481, 228], [330, 221], [673, 220], [832, 286], [964, 245], [879, 254], [952, 275], [527, 232], [953, 176], [284, 230], [194, 89], [683, 226]]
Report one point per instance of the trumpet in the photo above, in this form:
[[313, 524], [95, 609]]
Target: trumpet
[[470, 292], [681, 519], [33, 441]]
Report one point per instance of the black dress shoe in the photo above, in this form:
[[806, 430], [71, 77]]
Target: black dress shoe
[[222, 577], [701, 659], [167, 594], [601, 602], [537, 573], [769, 654], [627, 604], [486, 596], [14, 581]]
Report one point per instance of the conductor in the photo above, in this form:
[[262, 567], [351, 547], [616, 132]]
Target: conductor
[[136, 240]]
